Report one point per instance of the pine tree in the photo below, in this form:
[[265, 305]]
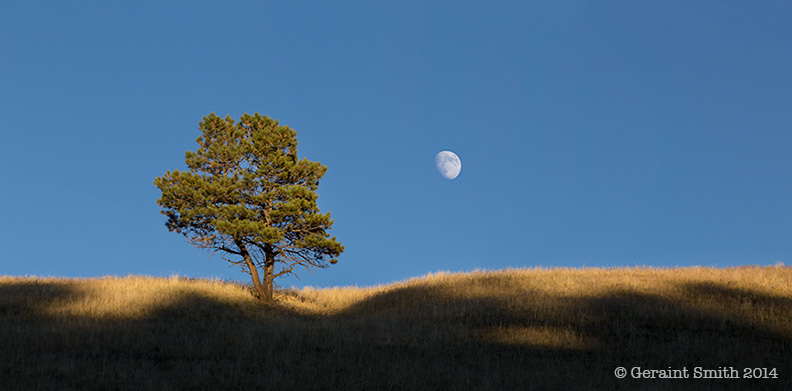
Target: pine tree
[[248, 196]]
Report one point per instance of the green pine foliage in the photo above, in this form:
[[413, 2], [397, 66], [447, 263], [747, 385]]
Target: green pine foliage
[[248, 196]]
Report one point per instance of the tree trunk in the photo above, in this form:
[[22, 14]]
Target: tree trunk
[[265, 294], [269, 272]]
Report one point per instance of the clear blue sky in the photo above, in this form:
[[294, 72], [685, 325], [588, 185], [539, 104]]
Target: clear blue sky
[[597, 133]]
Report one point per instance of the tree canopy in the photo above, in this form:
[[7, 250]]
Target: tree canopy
[[248, 196]]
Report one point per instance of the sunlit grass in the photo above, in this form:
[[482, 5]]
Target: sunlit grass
[[482, 329], [118, 298]]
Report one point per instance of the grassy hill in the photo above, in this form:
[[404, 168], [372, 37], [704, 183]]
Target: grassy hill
[[512, 329]]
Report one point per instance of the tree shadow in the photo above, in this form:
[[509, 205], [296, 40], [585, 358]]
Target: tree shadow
[[414, 337]]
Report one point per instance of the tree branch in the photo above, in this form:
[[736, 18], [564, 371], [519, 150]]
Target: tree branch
[[228, 250]]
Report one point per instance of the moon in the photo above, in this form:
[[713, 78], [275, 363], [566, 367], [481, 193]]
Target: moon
[[448, 164]]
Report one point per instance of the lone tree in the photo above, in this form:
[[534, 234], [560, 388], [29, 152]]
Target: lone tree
[[248, 196]]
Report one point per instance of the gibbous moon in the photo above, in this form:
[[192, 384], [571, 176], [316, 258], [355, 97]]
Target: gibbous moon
[[448, 164]]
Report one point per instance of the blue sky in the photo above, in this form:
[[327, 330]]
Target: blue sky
[[591, 133]]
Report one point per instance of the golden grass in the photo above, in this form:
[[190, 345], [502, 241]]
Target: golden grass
[[509, 329], [117, 298]]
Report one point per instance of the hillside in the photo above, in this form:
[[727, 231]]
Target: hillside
[[501, 330]]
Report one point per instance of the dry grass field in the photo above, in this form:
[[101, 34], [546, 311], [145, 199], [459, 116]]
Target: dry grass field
[[557, 329]]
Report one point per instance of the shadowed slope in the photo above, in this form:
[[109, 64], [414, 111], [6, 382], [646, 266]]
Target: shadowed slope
[[557, 329]]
